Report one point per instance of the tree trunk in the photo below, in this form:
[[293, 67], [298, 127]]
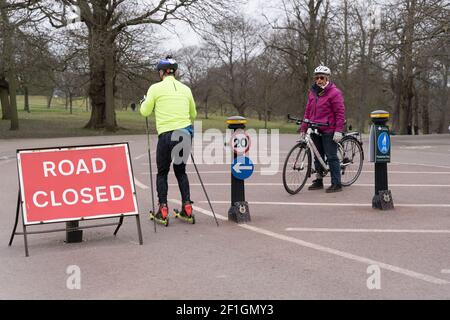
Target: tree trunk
[[4, 98], [346, 49], [363, 73], [10, 72], [206, 107], [425, 113], [102, 69], [444, 100], [70, 102], [265, 115], [110, 113], [26, 100], [49, 99], [416, 111], [311, 38], [101, 85], [407, 53]]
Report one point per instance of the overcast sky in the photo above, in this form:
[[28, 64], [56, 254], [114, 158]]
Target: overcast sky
[[184, 36]]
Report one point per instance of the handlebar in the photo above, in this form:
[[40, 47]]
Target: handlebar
[[310, 123]]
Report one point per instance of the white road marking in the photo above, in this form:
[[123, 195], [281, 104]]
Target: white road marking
[[140, 184], [354, 185], [334, 204], [143, 155], [335, 252], [205, 212], [416, 147], [5, 161], [280, 171], [347, 255], [420, 164], [367, 230]]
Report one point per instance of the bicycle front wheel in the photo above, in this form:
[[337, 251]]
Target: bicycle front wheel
[[351, 159], [297, 168]]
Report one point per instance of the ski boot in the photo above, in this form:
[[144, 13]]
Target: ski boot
[[161, 216], [186, 214]]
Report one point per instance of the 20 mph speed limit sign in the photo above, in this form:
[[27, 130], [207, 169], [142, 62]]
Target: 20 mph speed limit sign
[[240, 142]]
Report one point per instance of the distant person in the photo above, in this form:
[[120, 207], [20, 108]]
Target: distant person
[[175, 110], [326, 105]]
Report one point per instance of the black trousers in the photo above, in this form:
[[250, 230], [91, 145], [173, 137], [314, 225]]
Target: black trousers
[[166, 146], [326, 146]]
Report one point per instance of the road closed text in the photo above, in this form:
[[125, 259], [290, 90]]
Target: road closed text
[[77, 183], [71, 196]]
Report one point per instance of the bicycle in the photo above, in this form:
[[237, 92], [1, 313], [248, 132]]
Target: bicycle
[[298, 164]]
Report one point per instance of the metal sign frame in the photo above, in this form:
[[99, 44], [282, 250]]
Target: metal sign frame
[[21, 207]]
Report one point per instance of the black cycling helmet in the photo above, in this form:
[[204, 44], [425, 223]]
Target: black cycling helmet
[[167, 64]]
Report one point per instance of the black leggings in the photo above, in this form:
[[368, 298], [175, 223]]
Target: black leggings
[[163, 161]]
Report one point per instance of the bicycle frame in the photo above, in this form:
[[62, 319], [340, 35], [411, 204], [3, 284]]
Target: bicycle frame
[[312, 146]]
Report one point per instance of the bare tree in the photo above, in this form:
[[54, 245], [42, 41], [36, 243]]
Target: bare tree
[[299, 37], [105, 20], [235, 43]]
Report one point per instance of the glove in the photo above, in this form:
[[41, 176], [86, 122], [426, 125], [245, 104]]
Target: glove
[[302, 135], [337, 137], [143, 99]]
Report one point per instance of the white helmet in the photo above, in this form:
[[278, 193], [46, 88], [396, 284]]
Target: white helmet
[[322, 70]]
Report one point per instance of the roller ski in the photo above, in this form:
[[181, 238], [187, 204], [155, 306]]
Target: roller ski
[[185, 214], [161, 216]]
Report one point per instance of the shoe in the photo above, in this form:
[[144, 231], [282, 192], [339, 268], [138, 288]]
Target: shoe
[[334, 188], [162, 212], [316, 185], [187, 208]]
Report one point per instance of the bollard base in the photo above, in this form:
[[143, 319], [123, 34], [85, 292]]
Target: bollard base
[[239, 212], [383, 200], [73, 236]]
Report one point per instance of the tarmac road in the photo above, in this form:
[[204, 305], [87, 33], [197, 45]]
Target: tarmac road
[[311, 245]]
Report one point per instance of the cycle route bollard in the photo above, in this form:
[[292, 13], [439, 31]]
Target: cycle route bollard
[[380, 154], [241, 169]]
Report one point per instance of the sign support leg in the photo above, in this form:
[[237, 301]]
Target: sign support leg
[[138, 224], [17, 219], [119, 225], [25, 240]]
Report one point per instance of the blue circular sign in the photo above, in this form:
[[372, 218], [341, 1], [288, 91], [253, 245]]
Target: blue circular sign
[[242, 168], [384, 144]]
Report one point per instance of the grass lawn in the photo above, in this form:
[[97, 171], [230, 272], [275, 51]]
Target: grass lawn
[[55, 122]]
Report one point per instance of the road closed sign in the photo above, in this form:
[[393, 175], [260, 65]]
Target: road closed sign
[[75, 183]]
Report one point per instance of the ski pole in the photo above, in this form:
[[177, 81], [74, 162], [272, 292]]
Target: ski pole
[[151, 173], [204, 190]]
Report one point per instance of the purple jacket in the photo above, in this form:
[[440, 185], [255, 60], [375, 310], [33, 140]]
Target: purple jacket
[[327, 106]]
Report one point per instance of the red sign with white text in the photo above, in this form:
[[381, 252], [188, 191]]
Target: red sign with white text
[[76, 183]]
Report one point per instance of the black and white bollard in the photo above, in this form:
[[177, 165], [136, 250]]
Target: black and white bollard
[[240, 170], [380, 154]]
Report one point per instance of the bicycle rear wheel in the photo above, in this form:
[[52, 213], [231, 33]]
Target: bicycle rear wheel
[[351, 158], [297, 168]]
